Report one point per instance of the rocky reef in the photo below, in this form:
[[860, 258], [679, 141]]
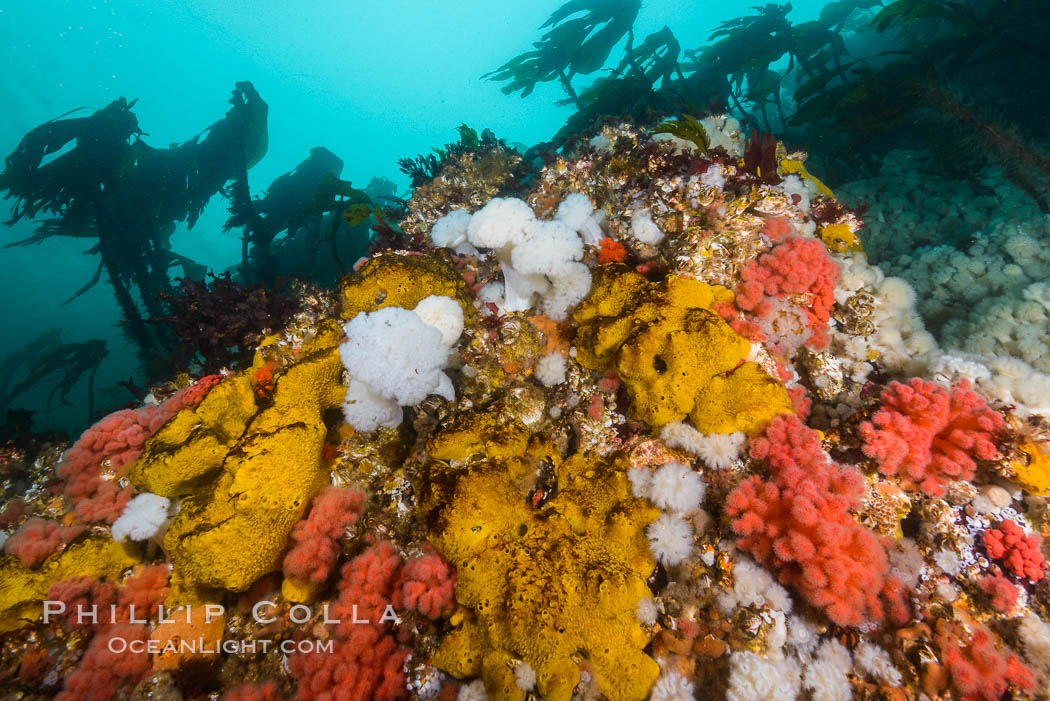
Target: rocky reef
[[639, 421]]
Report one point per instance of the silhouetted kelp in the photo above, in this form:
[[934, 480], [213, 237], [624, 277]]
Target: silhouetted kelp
[[62, 365], [109, 186], [306, 203], [580, 45], [961, 77], [112, 187]]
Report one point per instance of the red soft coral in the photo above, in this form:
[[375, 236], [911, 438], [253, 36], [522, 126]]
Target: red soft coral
[[38, 538], [800, 403], [145, 591], [979, 671], [99, 604], [931, 434], [118, 440], [798, 523], [366, 661], [1019, 553], [87, 601], [105, 667], [13, 512], [116, 654], [253, 692], [797, 268], [1002, 593], [611, 251], [777, 228], [189, 397], [428, 585], [315, 540]]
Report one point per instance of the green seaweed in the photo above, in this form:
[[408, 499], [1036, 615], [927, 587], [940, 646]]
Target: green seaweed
[[687, 128]]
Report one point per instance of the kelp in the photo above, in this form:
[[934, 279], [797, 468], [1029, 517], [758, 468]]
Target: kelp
[[63, 366], [572, 45], [687, 128], [950, 90], [426, 166], [111, 187], [20, 358], [296, 199], [962, 77]]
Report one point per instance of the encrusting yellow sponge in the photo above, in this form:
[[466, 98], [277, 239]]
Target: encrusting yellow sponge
[[543, 582], [246, 472], [676, 356]]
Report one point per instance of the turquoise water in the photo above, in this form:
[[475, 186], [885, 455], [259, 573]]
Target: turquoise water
[[621, 349], [372, 82]]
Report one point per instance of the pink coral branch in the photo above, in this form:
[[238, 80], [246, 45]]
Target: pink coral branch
[[101, 670], [117, 440], [266, 691], [1020, 553], [799, 524], [978, 669], [38, 538], [367, 661], [145, 590], [315, 540], [797, 269], [87, 601], [428, 585], [1002, 593], [105, 667], [931, 434]]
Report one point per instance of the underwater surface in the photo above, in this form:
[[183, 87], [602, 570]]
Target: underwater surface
[[586, 350]]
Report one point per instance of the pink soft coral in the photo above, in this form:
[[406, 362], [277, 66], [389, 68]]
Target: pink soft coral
[[979, 671], [1019, 553], [13, 512], [931, 434], [87, 601], [428, 585], [38, 538], [798, 523], [266, 691], [191, 396], [777, 228], [796, 268], [145, 591], [366, 661], [1000, 591], [117, 440], [315, 540], [104, 668]]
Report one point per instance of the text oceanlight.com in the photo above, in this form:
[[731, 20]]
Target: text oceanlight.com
[[201, 646], [262, 613]]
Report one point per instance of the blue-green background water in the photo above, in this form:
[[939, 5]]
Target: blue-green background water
[[370, 81]]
